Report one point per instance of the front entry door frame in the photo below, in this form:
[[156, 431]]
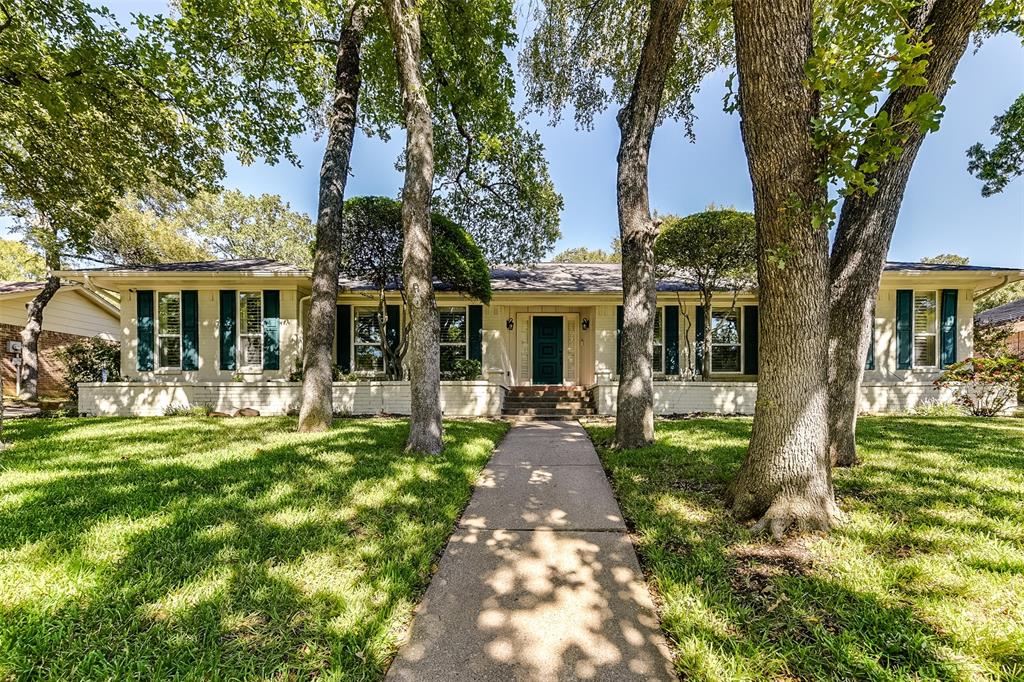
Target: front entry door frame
[[523, 372], [548, 349]]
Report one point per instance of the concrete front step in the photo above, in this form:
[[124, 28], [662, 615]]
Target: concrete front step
[[548, 412], [545, 402], [546, 390]]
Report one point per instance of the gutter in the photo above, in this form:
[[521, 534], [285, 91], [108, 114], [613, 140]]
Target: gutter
[[992, 290]]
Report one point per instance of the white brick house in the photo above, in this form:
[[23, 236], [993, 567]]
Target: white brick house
[[228, 333]]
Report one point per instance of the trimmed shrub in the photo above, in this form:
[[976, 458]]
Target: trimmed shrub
[[86, 359], [463, 370]]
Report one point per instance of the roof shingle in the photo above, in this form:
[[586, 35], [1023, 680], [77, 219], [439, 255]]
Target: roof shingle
[[1008, 312]]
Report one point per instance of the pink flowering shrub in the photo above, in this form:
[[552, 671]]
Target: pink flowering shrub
[[984, 385]]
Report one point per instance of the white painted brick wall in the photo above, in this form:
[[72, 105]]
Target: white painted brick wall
[[458, 398], [683, 397]]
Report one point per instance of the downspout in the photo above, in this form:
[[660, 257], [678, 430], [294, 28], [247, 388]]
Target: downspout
[[992, 290], [108, 296]]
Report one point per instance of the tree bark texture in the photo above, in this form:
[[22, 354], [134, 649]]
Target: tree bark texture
[[33, 328], [866, 226], [317, 373], [423, 355], [634, 420], [785, 479]]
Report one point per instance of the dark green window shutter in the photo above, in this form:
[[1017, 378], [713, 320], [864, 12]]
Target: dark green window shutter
[[904, 328], [476, 332], [228, 305], [271, 329], [869, 363], [344, 338], [144, 321], [618, 338], [948, 335], [698, 335], [671, 334], [190, 330], [393, 328], [750, 350]]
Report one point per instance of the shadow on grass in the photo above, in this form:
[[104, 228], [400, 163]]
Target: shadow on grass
[[923, 582], [212, 548]]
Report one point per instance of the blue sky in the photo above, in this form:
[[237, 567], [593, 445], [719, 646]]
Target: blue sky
[[943, 210]]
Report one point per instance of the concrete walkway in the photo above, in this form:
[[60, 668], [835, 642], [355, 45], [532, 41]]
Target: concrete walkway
[[540, 580]]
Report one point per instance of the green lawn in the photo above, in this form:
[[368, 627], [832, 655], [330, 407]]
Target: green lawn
[[219, 548], [924, 581]]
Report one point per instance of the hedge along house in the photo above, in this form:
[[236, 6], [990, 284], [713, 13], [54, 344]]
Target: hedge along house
[[228, 334]]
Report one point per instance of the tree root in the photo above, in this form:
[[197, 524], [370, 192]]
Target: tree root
[[802, 514]]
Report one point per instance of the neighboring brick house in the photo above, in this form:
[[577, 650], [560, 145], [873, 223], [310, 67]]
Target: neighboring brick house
[[1009, 316], [73, 312]]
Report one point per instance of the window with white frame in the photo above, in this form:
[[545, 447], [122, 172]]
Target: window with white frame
[[366, 340], [726, 342], [250, 328], [659, 341], [454, 335], [168, 329], [926, 319]]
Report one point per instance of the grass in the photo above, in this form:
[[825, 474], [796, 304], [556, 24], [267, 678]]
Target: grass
[[924, 581], [221, 549]]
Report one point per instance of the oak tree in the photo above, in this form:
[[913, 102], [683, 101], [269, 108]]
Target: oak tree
[[928, 39], [716, 248], [785, 478], [372, 238], [88, 113], [315, 65], [647, 57]]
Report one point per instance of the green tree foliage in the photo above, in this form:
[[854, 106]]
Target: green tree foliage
[[235, 225], [162, 226], [582, 254], [864, 50], [1011, 292], [373, 248], [89, 113], [372, 243], [18, 263], [143, 229], [716, 248], [946, 259], [583, 56], [278, 55], [1003, 161]]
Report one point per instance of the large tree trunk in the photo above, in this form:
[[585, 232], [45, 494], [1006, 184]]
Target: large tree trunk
[[634, 419], [785, 479], [866, 226], [423, 355], [33, 328], [317, 375]]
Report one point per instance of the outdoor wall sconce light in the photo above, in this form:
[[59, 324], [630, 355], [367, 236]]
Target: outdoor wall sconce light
[[510, 324], [585, 323]]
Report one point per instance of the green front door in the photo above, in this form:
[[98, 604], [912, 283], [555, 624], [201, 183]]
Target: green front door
[[547, 350]]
